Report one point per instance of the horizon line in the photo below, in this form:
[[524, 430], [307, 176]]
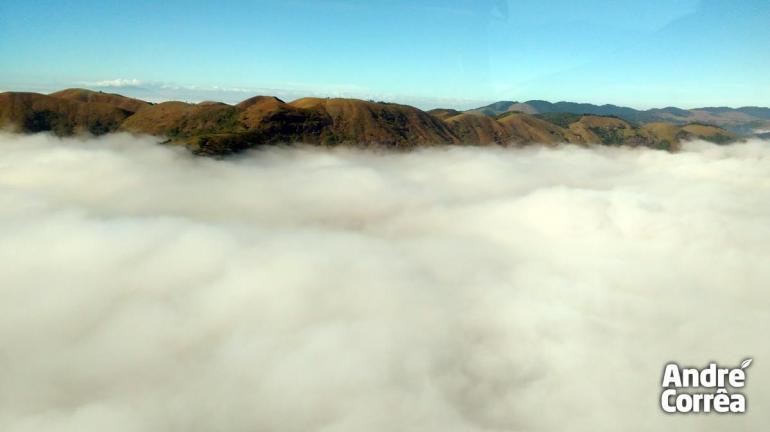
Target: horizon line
[[122, 91]]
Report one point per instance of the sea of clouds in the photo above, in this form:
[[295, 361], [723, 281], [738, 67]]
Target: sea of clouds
[[445, 289]]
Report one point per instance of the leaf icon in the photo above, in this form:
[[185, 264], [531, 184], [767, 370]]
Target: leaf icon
[[746, 363]]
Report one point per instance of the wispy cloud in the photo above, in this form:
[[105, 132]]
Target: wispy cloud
[[117, 83], [158, 91]]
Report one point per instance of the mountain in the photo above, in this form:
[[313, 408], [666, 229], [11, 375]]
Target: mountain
[[33, 112], [394, 125], [495, 108], [544, 107], [444, 113], [742, 121], [118, 101], [215, 128]]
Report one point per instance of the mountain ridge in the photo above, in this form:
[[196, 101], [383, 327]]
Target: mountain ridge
[[742, 120], [215, 128]]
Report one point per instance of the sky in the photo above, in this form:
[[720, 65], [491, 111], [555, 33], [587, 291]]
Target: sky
[[449, 53]]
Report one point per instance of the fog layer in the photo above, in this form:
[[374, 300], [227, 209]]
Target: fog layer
[[304, 289]]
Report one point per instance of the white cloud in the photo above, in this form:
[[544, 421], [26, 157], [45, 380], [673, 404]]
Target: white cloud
[[120, 82], [454, 289], [157, 91]]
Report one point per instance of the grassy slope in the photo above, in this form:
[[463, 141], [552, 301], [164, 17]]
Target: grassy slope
[[118, 101], [33, 112]]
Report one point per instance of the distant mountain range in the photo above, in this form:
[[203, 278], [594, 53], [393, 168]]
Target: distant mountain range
[[742, 121], [215, 128]]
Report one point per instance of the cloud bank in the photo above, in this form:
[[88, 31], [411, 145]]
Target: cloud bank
[[301, 289]]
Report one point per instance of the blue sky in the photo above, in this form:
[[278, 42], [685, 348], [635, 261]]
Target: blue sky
[[454, 53]]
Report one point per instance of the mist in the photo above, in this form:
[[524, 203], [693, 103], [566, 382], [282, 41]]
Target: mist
[[306, 289]]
